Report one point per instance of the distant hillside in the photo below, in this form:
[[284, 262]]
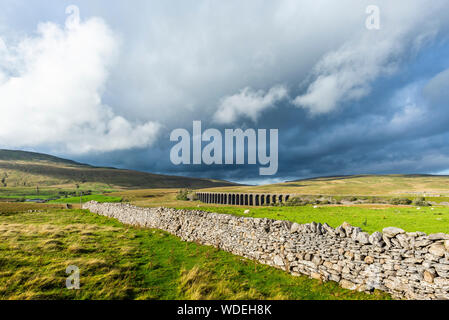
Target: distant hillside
[[29, 169], [409, 184], [17, 155]]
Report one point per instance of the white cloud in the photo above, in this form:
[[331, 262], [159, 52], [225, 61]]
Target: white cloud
[[51, 87], [182, 61], [348, 72], [185, 60], [248, 103]]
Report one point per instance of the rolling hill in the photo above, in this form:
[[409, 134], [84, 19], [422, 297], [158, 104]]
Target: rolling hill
[[409, 184], [30, 169]]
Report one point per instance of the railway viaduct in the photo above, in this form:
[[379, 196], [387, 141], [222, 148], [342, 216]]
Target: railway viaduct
[[242, 199]]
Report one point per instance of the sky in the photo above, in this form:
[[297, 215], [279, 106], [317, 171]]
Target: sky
[[106, 82]]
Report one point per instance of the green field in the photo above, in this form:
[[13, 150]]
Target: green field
[[121, 262], [426, 219], [95, 197], [370, 217], [20, 193]]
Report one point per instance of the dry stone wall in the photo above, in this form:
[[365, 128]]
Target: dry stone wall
[[408, 265]]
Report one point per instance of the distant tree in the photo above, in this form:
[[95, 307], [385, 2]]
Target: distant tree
[[400, 201], [421, 202], [183, 195]]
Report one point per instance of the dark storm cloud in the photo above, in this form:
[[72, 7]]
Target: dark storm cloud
[[374, 135], [345, 100]]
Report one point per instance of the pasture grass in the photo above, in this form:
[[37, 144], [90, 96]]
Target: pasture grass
[[19, 193], [122, 262], [16, 207], [94, 197], [370, 218], [150, 197]]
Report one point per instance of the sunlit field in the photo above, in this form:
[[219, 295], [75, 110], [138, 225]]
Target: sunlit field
[[429, 220], [39, 241], [370, 217], [363, 185], [122, 262]]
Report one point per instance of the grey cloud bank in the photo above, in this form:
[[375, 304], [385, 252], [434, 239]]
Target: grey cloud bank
[[345, 99]]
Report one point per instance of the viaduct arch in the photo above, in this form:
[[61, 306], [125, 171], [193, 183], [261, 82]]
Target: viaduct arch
[[242, 199]]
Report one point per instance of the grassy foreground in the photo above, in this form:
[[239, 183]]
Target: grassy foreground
[[122, 262]]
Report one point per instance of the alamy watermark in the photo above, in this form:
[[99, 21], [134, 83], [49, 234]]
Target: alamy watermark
[[189, 149], [72, 281], [372, 22]]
